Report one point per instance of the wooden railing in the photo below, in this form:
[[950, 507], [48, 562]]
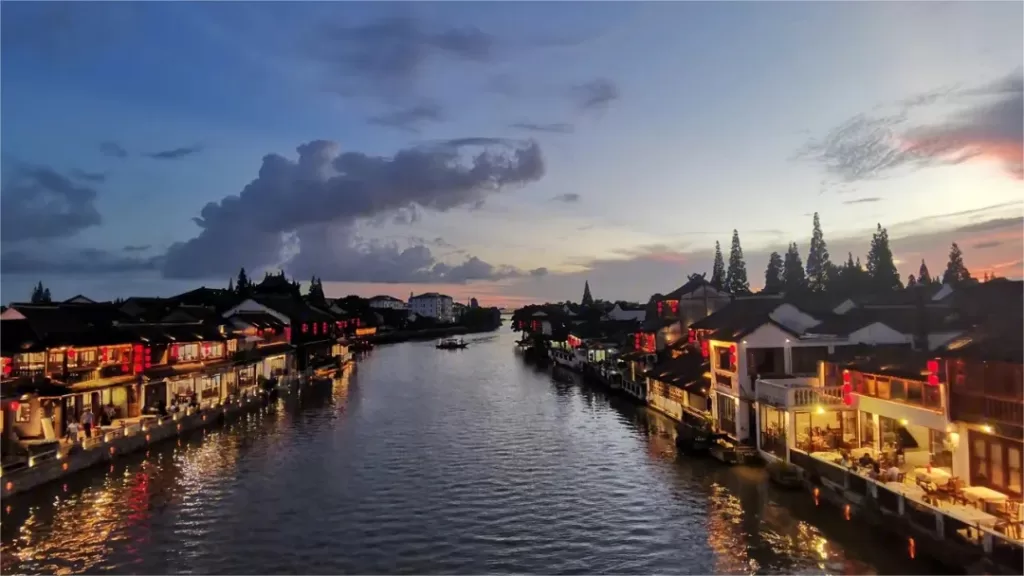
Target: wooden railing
[[796, 396]]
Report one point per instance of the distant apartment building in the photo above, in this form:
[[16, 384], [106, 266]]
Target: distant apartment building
[[432, 305], [388, 302]]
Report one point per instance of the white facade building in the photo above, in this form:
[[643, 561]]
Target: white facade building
[[387, 302], [433, 305]]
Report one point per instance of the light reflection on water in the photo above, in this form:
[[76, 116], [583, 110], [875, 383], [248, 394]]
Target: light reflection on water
[[419, 462]]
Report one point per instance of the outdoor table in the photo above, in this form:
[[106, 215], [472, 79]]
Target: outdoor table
[[971, 516], [937, 476], [983, 494]]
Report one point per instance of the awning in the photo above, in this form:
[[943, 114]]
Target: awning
[[39, 385]]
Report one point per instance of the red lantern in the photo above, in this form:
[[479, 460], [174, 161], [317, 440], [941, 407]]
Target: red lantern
[[674, 306], [15, 405], [691, 336], [104, 354], [137, 365], [323, 329], [8, 366], [659, 309], [314, 327], [847, 388], [175, 351], [71, 353], [305, 327], [288, 333], [933, 372], [705, 349]]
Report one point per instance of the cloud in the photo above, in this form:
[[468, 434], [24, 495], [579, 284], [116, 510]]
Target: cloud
[[989, 244], [113, 149], [411, 118], [993, 224], [136, 248], [386, 57], [988, 124], [38, 202], [553, 128], [176, 153], [568, 198], [327, 186], [595, 95], [538, 272], [86, 261], [335, 254], [92, 177], [868, 200]]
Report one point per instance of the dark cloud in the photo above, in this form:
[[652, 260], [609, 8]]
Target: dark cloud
[[176, 153], [327, 186], [136, 248], [989, 244], [113, 149], [386, 57], [66, 33], [994, 224], [86, 261], [553, 128], [989, 124], [568, 198], [595, 95], [92, 177], [537, 272], [868, 200], [38, 202], [410, 119], [336, 254]]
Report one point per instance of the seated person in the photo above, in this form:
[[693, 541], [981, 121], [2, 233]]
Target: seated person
[[865, 460], [893, 473]]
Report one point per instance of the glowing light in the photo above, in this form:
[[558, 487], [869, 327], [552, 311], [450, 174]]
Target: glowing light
[[819, 410], [9, 486], [112, 450], [903, 422], [147, 437], [987, 429], [846, 512], [911, 548], [64, 466]]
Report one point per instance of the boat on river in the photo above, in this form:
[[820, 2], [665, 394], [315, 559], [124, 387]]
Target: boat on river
[[451, 344]]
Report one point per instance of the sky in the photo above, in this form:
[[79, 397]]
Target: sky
[[503, 151]]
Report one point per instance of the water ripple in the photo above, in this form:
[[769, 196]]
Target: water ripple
[[422, 462]]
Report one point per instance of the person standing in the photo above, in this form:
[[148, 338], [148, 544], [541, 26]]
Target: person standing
[[87, 419]]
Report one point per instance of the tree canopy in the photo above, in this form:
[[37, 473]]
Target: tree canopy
[[40, 294], [736, 276], [773, 274], [818, 263], [956, 272], [793, 278], [718, 268], [881, 266]]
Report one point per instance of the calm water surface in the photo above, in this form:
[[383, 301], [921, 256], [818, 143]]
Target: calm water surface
[[427, 461]]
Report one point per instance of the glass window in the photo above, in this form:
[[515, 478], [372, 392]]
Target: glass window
[[915, 391], [995, 465], [849, 419], [897, 390], [884, 391], [1013, 467], [867, 429]]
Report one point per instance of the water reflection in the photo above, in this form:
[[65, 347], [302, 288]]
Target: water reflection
[[418, 462]]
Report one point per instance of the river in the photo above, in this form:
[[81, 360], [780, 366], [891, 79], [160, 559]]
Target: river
[[427, 461]]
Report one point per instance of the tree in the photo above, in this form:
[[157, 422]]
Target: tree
[[881, 266], [956, 272], [736, 275], [923, 277], [40, 295], [911, 282], [718, 268], [231, 285], [773, 274], [243, 285], [588, 299], [818, 263], [316, 291], [793, 278]]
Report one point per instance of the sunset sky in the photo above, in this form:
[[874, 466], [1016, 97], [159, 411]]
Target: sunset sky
[[503, 151]]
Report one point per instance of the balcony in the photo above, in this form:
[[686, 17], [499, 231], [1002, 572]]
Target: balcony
[[791, 393]]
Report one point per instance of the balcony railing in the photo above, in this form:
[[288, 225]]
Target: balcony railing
[[971, 407], [798, 392]]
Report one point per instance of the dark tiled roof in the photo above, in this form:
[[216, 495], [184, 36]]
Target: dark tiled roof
[[905, 320], [1002, 342], [294, 308], [74, 324], [169, 333], [429, 295], [259, 320], [741, 317], [687, 288], [17, 336], [218, 298], [688, 368], [815, 303], [905, 297]]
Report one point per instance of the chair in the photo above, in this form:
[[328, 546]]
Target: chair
[[1011, 523]]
